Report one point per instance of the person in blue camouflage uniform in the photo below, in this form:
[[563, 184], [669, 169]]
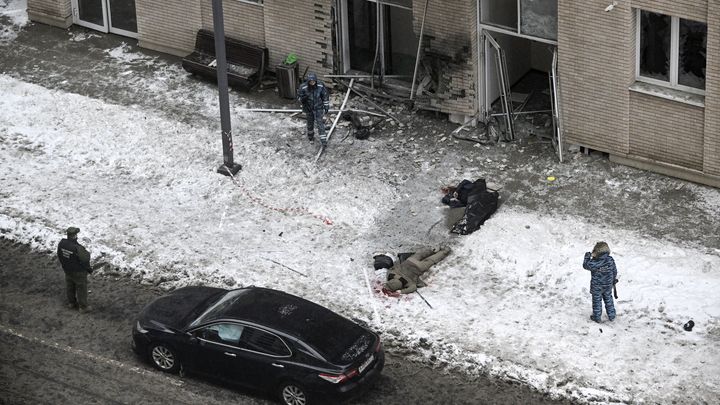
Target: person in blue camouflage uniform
[[315, 100], [603, 277]]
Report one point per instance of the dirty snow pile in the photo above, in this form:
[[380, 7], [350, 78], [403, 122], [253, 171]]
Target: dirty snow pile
[[511, 300], [13, 18]]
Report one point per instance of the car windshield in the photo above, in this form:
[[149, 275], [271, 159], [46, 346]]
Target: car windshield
[[215, 311]]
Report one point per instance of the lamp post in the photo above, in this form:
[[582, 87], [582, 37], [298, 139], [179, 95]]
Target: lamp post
[[229, 167]]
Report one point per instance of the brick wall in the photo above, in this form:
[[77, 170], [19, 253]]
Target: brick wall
[[666, 131], [243, 21], [52, 12], [711, 163], [450, 31], [302, 27], [596, 66], [169, 25]]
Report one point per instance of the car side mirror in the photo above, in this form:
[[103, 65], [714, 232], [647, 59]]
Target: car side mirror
[[192, 338]]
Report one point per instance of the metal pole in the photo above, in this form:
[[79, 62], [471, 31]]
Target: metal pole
[[219, 27], [417, 57]]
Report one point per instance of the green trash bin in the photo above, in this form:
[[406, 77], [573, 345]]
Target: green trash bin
[[287, 79]]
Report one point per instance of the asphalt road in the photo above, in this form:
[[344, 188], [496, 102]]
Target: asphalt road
[[53, 355]]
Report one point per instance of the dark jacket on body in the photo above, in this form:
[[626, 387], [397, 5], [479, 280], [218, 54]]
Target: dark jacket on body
[[73, 256]]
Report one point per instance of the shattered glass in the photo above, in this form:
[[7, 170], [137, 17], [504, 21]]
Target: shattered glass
[[501, 13], [538, 18], [693, 52], [655, 31]]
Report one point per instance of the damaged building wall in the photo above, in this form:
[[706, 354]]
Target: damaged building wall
[[596, 66], [169, 26], [449, 50], [644, 125], [243, 21], [302, 27], [52, 12], [711, 163]]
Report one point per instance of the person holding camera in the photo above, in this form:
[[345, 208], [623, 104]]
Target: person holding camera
[[603, 277]]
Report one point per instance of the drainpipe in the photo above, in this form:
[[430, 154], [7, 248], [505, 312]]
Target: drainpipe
[[480, 85]]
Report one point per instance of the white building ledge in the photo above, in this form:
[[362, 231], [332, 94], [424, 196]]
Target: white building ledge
[[668, 93]]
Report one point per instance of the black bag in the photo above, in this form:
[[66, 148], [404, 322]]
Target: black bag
[[481, 204], [463, 190]]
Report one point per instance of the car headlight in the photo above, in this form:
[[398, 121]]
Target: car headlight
[[139, 328]]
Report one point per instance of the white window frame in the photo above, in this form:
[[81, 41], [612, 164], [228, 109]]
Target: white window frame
[[517, 31], [253, 2], [674, 56]]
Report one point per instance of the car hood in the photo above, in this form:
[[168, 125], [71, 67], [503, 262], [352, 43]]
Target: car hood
[[178, 308]]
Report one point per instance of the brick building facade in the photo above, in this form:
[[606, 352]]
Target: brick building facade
[[605, 102]]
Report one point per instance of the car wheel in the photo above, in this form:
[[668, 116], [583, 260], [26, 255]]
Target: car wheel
[[164, 358], [293, 394]]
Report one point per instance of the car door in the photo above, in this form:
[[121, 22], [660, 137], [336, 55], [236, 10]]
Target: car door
[[218, 351], [264, 355]]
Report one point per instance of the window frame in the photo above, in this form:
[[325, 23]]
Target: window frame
[[253, 2], [245, 326], [674, 55]]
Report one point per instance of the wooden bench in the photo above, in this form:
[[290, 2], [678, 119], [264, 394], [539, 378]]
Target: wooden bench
[[245, 62]]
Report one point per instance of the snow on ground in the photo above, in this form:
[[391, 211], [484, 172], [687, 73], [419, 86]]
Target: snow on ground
[[512, 300], [13, 17]]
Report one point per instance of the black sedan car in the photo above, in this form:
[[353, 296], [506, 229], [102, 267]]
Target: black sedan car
[[262, 339]]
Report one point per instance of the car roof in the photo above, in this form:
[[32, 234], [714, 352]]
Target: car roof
[[324, 330]]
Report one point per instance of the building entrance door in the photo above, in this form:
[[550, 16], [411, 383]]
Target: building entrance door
[[378, 36], [116, 16]]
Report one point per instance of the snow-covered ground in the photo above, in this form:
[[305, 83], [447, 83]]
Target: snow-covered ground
[[512, 299], [15, 17]]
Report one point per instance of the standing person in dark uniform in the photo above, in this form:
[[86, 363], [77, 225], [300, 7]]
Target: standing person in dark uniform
[[314, 97], [75, 260]]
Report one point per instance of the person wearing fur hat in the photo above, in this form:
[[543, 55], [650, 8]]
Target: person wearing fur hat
[[603, 275], [405, 276]]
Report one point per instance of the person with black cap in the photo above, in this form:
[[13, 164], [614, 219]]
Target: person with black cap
[[315, 100], [603, 277], [75, 261], [405, 276]]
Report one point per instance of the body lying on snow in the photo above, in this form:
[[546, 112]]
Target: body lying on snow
[[405, 276]]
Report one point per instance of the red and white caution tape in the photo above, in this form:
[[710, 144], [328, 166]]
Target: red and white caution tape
[[293, 210]]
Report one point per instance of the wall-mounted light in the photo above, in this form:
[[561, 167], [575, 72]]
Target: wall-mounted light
[[611, 7]]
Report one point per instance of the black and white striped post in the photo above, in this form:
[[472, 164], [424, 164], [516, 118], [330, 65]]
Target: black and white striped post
[[229, 166]]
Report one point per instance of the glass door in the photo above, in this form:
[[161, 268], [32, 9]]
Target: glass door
[[116, 16], [91, 14], [379, 39], [122, 17]]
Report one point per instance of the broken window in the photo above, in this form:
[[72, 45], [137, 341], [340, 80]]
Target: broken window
[[672, 51], [655, 46], [538, 18], [500, 13], [693, 46], [531, 18]]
